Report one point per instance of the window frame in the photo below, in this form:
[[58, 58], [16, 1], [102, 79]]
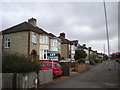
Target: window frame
[[42, 53], [44, 39], [34, 37], [7, 40]]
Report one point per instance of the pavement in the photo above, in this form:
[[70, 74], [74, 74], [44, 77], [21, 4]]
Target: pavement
[[103, 75]]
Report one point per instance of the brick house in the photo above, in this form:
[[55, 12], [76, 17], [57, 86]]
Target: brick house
[[29, 40], [67, 47], [74, 45]]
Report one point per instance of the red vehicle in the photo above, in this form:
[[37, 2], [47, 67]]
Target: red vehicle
[[117, 56], [57, 71]]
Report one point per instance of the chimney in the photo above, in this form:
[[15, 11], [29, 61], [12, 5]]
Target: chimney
[[89, 48], [84, 45], [32, 21], [62, 35]]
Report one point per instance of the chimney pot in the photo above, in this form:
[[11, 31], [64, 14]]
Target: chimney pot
[[89, 48], [62, 35], [84, 45]]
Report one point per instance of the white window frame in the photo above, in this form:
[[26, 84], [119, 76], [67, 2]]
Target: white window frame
[[34, 37], [7, 40], [42, 53], [72, 47], [44, 39]]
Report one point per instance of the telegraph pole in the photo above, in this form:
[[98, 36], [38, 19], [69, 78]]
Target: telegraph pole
[[107, 35]]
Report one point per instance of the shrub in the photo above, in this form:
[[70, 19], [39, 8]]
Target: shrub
[[18, 64], [81, 61], [96, 60]]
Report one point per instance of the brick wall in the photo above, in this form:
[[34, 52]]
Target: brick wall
[[82, 67]]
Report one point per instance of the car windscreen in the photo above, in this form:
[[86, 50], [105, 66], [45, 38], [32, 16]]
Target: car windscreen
[[58, 65], [48, 65]]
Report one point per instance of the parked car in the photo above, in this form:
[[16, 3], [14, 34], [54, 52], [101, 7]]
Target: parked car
[[67, 60], [57, 70]]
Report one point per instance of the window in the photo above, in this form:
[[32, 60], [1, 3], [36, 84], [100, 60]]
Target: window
[[54, 42], [72, 47], [48, 65], [41, 65], [33, 37], [7, 42], [58, 65], [43, 54], [58, 44], [44, 39]]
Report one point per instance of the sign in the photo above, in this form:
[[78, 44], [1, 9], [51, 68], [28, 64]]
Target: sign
[[53, 52], [53, 55]]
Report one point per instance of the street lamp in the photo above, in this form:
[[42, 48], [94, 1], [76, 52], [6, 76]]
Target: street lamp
[[107, 34]]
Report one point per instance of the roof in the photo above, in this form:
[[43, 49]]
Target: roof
[[25, 26], [74, 41], [64, 40], [54, 37]]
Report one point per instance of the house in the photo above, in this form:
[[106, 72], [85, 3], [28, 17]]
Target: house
[[55, 47], [29, 40], [74, 44], [67, 47]]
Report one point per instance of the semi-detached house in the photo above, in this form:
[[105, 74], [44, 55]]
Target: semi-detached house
[[67, 47], [31, 41]]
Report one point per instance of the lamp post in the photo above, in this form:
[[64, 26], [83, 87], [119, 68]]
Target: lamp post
[[107, 35]]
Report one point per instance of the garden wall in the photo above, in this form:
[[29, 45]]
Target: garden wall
[[81, 67]]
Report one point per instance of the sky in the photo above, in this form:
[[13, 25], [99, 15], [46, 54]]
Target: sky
[[83, 21]]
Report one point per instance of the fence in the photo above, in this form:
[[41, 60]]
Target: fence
[[46, 76], [28, 80]]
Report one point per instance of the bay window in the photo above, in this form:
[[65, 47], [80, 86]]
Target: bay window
[[44, 39], [54, 42], [43, 55]]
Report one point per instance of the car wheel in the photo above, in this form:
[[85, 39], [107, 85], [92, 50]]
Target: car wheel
[[54, 76]]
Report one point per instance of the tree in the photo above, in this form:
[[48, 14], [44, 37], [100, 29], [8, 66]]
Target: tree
[[80, 55], [18, 64]]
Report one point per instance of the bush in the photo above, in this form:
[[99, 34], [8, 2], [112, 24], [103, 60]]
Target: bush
[[80, 54], [18, 64], [96, 60], [81, 61]]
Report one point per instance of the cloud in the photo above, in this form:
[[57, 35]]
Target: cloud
[[83, 21]]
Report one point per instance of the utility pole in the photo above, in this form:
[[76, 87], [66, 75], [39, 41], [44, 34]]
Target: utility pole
[[107, 35]]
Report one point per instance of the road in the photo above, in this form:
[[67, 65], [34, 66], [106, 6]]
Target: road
[[97, 76]]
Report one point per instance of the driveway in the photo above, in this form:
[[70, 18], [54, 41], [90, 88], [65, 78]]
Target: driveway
[[97, 76]]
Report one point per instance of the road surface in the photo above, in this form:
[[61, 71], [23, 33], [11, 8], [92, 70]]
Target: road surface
[[97, 76]]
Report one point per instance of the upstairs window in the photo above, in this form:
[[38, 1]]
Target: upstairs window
[[7, 42], [54, 43], [72, 47], [33, 37], [44, 39]]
